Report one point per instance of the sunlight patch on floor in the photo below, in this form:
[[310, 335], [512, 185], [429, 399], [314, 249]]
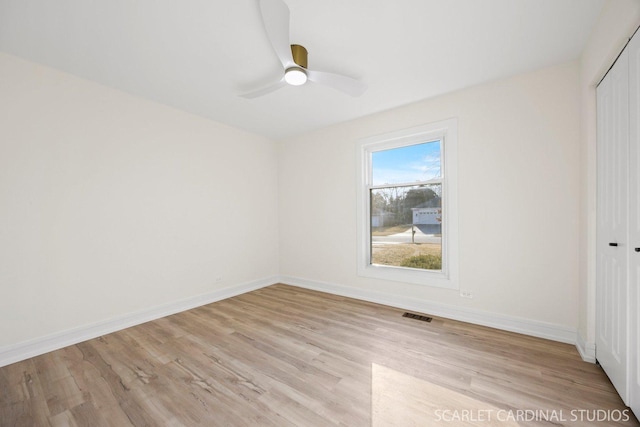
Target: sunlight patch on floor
[[398, 399]]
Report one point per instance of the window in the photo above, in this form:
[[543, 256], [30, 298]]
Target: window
[[407, 222]]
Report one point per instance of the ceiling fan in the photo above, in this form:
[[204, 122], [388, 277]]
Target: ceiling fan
[[275, 16]]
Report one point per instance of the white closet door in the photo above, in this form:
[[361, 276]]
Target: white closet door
[[634, 225], [612, 219]]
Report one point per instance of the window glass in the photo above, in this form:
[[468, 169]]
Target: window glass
[[419, 162], [406, 220]]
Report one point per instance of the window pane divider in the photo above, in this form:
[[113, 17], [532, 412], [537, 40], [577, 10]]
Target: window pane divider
[[406, 184]]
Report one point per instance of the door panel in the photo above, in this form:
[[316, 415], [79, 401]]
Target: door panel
[[634, 225], [612, 220]]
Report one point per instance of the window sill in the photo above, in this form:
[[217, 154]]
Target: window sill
[[408, 275]]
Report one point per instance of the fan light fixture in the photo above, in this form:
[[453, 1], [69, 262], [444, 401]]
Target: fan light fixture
[[295, 76], [293, 57]]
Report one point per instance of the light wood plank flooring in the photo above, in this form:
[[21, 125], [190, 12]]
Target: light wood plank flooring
[[284, 356]]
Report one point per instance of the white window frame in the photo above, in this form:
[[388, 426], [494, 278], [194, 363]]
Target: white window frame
[[447, 132]]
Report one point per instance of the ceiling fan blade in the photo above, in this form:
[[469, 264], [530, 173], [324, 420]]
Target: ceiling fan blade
[[275, 16], [342, 83], [264, 90]]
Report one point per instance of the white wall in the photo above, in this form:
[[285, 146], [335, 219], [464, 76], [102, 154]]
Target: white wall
[[518, 202], [617, 22], [112, 205]]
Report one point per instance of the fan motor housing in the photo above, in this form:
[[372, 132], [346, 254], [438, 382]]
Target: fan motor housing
[[299, 54]]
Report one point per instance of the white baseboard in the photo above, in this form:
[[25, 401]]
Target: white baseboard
[[586, 349], [21, 351], [478, 317], [24, 350]]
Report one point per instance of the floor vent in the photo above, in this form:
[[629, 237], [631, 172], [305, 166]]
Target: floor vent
[[418, 317]]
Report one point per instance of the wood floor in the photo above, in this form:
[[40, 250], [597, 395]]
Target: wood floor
[[284, 356]]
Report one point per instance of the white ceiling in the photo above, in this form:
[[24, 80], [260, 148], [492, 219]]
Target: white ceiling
[[198, 55]]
